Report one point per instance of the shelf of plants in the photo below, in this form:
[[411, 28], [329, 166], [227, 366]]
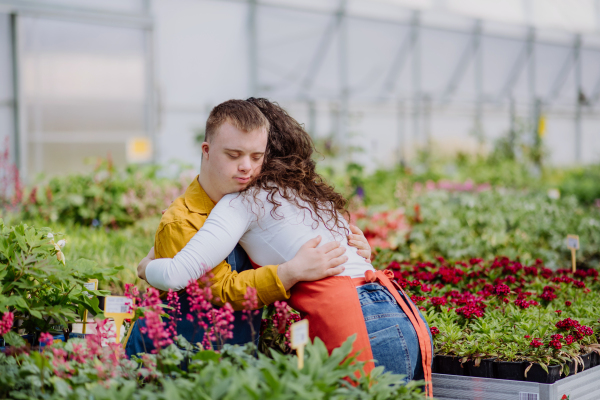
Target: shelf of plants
[[504, 320]]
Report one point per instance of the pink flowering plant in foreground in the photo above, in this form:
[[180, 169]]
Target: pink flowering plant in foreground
[[505, 309]]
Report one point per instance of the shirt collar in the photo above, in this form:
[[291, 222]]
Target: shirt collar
[[196, 199]]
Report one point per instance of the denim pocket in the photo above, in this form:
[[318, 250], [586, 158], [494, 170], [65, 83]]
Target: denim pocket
[[390, 351]]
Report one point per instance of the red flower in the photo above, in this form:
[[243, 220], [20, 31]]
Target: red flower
[[526, 336], [568, 303], [556, 344], [434, 330], [536, 343], [558, 312]]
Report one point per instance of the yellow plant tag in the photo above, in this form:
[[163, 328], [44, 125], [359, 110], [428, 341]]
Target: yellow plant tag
[[573, 245], [92, 284], [118, 308], [299, 339]]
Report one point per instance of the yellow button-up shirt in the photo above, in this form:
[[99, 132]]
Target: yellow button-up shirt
[[180, 223]]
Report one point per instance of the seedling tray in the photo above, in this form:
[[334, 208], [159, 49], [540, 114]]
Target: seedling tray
[[582, 386]]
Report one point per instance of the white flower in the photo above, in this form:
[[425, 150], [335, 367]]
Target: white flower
[[50, 236], [62, 243], [554, 194]]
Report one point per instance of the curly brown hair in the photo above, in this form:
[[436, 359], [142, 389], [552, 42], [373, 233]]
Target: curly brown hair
[[288, 169]]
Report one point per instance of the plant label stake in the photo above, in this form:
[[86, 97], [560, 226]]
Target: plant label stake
[[573, 244], [299, 338], [118, 308], [92, 284]]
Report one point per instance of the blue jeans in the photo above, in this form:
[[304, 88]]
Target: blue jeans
[[393, 338], [242, 333]]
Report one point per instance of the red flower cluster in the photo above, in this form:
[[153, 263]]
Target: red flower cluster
[[577, 331], [434, 331], [502, 290], [438, 301], [470, 311], [536, 342]]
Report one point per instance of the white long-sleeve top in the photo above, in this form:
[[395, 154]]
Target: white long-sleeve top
[[268, 237]]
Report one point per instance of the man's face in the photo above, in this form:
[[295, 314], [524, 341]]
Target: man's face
[[233, 158]]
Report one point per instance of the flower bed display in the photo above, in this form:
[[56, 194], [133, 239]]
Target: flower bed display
[[502, 319]]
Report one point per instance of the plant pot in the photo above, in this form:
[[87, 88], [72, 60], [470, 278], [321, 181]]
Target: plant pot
[[537, 374], [484, 370], [512, 370], [572, 364], [587, 359], [595, 359], [450, 365], [434, 365]]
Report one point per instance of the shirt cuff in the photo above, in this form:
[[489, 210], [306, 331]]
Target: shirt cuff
[[154, 273], [269, 287]]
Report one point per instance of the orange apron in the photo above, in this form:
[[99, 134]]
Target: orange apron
[[333, 310]]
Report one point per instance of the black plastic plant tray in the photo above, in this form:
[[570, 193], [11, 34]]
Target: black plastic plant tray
[[582, 386]]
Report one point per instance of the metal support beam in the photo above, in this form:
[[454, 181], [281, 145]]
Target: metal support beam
[[20, 135], [416, 77], [478, 66], [253, 48], [520, 63], [568, 64], [405, 49], [344, 94], [401, 129], [319, 56], [461, 68], [579, 98]]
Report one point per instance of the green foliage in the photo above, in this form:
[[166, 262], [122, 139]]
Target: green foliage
[[37, 285], [498, 223], [232, 374], [103, 197], [583, 182]]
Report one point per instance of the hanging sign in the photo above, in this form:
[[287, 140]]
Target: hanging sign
[[119, 309], [139, 149], [92, 284], [573, 245], [299, 339]]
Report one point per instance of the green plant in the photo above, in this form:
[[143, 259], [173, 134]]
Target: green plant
[[38, 285], [80, 369], [105, 197]]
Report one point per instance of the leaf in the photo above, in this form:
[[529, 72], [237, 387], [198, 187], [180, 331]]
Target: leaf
[[207, 355], [14, 339]]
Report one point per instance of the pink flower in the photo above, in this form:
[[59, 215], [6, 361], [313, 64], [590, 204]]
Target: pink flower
[[6, 323], [173, 302], [282, 313], [46, 339], [250, 303]]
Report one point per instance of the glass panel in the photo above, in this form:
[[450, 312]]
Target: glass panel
[[83, 90]]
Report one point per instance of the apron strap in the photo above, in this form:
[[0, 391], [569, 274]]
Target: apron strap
[[383, 277]]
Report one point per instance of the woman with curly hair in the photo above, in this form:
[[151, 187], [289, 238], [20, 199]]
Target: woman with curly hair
[[286, 204]]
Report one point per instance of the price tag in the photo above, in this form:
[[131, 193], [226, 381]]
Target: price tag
[[118, 308], [573, 245], [299, 338], [92, 284]]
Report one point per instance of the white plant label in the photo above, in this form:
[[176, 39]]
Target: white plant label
[[573, 242], [91, 285], [117, 305], [299, 334]]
